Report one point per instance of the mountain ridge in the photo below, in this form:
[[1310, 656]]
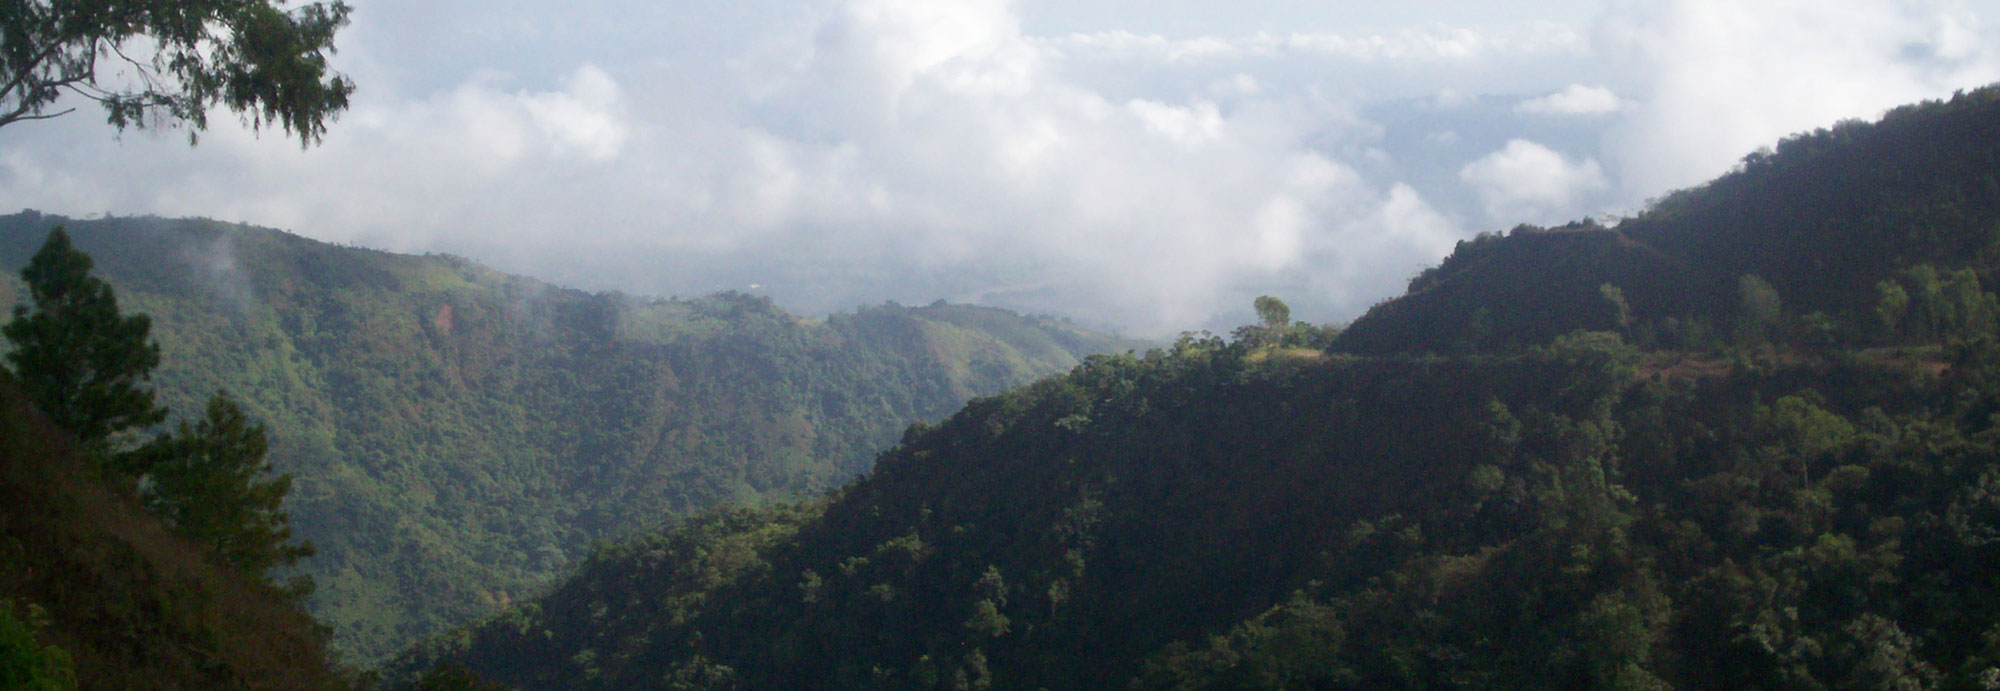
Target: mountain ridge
[[1823, 217], [458, 434], [1555, 462]]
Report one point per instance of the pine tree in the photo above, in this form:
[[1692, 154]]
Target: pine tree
[[211, 483], [80, 361]]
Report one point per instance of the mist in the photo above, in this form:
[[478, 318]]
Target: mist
[[1150, 168]]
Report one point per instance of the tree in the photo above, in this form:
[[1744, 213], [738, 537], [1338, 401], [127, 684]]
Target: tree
[[1890, 304], [210, 482], [151, 63], [82, 363], [1273, 312], [1273, 317], [1621, 311], [1760, 310], [74, 355]]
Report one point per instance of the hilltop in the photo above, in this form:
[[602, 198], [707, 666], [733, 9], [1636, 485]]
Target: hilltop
[[1824, 219]]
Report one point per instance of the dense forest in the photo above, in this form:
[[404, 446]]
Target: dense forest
[[1746, 439], [458, 436]]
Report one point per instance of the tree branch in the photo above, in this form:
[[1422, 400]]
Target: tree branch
[[29, 70], [17, 116]]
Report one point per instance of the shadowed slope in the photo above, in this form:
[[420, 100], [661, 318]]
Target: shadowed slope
[[135, 606]]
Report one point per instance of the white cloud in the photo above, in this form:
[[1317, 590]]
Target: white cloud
[[1576, 99], [1146, 171], [584, 118], [1716, 79], [930, 143], [1528, 182], [1432, 43]]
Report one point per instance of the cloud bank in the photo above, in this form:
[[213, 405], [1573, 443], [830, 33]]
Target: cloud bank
[[841, 152]]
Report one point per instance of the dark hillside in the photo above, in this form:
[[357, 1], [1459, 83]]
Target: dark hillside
[[1552, 519], [1129, 504], [1525, 288], [1823, 219], [458, 435], [134, 606], [1633, 464], [1829, 213]]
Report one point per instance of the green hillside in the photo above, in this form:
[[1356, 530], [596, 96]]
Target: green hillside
[[127, 604], [458, 435], [1746, 464]]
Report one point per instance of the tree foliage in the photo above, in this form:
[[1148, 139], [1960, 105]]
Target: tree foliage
[[1203, 519], [81, 361], [86, 366], [211, 483], [1275, 328], [174, 61], [25, 663], [1273, 313]]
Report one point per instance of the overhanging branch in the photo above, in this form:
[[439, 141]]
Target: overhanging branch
[[19, 116]]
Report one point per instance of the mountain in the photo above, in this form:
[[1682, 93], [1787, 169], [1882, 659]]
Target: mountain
[[1718, 472], [1824, 219], [458, 436], [128, 604]]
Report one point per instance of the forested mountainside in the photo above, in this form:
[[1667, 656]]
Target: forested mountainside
[[1824, 219], [1709, 481], [458, 435], [96, 591]]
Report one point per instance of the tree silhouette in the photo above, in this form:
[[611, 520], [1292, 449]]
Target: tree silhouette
[[76, 357], [210, 482]]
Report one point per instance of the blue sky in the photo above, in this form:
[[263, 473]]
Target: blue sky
[[1150, 165]]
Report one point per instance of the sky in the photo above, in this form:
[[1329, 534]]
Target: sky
[[1148, 166]]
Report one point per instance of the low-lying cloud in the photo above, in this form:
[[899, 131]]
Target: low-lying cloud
[[1577, 99], [1716, 79], [1530, 182], [841, 152]]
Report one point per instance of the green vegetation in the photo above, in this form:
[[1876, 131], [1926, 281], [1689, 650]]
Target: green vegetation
[[1730, 444], [81, 362], [24, 662], [1275, 328], [108, 572], [1561, 516], [456, 437], [210, 483], [86, 366], [92, 584]]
